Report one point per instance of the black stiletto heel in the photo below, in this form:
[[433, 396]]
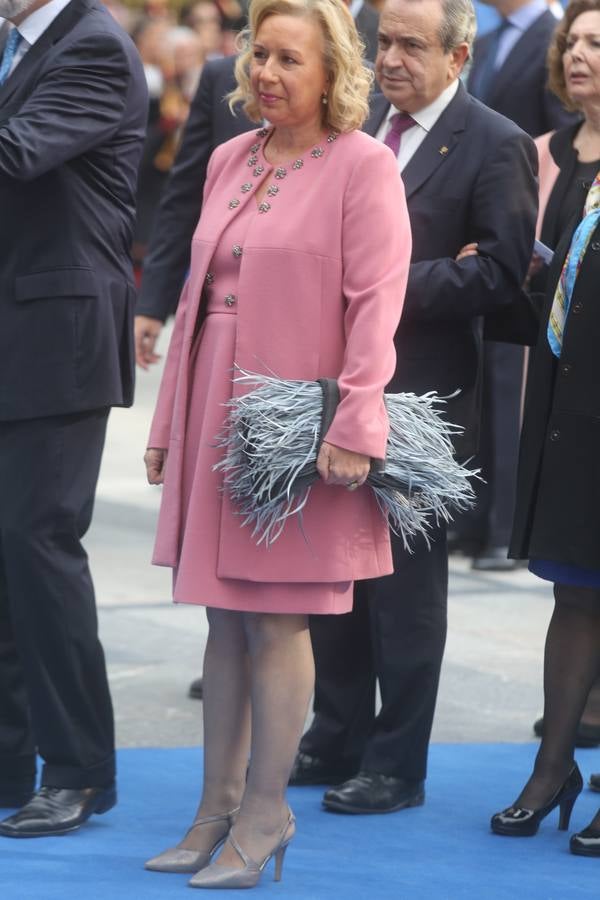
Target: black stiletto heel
[[518, 822]]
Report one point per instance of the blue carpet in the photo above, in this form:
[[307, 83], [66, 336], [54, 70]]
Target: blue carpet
[[442, 850]]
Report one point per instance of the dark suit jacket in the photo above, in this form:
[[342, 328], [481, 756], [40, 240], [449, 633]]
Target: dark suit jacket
[[519, 89], [472, 179], [72, 119], [210, 123], [367, 24]]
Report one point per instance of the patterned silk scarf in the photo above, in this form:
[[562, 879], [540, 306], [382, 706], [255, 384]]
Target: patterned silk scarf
[[572, 264]]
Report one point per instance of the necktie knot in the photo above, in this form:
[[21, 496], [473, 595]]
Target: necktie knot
[[399, 123], [10, 50]]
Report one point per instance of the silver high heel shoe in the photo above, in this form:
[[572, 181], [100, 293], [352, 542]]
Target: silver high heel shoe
[[216, 876], [178, 859]]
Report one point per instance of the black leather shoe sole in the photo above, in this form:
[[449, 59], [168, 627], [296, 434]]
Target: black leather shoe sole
[[103, 802], [340, 807], [507, 831], [579, 848]]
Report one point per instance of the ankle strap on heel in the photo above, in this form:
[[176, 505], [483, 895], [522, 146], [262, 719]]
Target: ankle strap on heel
[[220, 817]]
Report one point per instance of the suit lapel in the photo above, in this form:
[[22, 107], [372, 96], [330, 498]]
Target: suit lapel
[[439, 143], [378, 107], [529, 46], [61, 25]]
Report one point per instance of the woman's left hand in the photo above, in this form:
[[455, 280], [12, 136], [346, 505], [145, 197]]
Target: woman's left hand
[[343, 467]]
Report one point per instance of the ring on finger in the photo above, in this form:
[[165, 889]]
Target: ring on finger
[[352, 485]]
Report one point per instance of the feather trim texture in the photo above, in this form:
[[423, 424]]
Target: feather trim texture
[[271, 439]]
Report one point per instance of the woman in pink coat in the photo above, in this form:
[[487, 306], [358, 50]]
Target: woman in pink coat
[[299, 267]]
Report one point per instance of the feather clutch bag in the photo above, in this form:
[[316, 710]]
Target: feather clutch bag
[[271, 439]]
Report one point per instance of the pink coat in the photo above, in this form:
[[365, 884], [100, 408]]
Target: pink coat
[[321, 286]]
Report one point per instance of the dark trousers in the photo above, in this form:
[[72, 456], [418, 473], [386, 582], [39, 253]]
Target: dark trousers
[[54, 696], [489, 523], [395, 635]]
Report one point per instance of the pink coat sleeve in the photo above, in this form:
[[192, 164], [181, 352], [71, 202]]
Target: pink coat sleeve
[[376, 256]]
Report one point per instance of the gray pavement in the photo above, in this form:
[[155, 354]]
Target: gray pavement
[[491, 681]]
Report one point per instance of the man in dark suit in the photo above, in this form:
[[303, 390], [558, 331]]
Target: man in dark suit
[[509, 74], [210, 123], [469, 176], [509, 71], [366, 20], [73, 107]]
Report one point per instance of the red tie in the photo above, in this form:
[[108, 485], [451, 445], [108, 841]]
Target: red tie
[[399, 123]]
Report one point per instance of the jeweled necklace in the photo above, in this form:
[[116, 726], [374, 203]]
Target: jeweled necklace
[[280, 171]]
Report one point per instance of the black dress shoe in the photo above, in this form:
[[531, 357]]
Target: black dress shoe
[[495, 559], [371, 792], [196, 691], [516, 821], [587, 735], [55, 810], [586, 842], [309, 770]]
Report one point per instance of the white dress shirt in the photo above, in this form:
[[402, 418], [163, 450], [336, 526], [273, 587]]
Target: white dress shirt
[[33, 27], [425, 119]]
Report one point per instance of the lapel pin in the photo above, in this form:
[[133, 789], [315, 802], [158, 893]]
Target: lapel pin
[[443, 150]]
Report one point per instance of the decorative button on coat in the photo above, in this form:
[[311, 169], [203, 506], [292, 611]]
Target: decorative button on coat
[[230, 299], [237, 250]]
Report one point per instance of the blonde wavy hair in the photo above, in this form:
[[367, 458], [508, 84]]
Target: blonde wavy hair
[[350, 81]]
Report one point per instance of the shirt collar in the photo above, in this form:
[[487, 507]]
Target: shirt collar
[[33, 27], [526, 15], [355, 7], [428, 116]]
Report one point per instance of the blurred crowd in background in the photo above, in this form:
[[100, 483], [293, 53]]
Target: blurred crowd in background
[[174, 42]]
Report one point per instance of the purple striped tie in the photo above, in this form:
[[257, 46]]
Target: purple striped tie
[[399, 123]]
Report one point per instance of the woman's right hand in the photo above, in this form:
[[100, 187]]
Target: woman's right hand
[[155, 459]]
